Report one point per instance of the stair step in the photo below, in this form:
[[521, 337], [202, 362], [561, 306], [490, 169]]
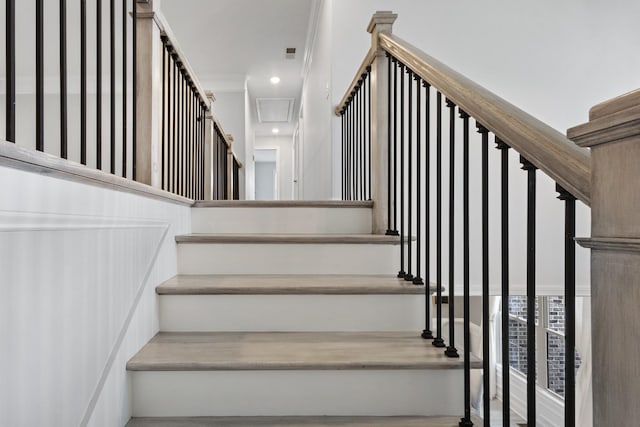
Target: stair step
[[288, 285], [288, 254], [290, 303], [370, 239], [250, 216], [210, 351], [294, 374], [299, 421]]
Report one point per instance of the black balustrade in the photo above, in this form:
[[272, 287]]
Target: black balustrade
[[410, 187]]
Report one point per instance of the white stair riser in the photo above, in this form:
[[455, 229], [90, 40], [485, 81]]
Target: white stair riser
[[285, 258], [277, 393], [295, 313], [281, 220]]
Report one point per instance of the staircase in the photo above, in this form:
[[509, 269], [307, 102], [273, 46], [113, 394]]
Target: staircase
[[289, 313]]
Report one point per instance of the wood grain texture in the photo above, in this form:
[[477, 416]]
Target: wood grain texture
[[17, 157], [287, 285], [546, 148], [284, 204], [610, 244], [372, 239], [615, 105], [618, 126], [206, 351], [299, 421]]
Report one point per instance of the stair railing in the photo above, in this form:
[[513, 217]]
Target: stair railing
[[398, 113], [142, 116]]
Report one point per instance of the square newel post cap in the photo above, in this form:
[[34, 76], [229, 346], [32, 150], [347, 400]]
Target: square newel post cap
[[382, 21], [210, 96]]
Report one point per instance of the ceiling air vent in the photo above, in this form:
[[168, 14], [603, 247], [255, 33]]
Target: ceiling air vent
[[290, 53]]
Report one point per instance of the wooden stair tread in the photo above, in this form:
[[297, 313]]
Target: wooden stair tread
[[318, 421], [204, 351], [287, 285], [378, 239], [284, 204]]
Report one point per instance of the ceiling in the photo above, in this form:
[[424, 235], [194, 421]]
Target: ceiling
[[229, 42]]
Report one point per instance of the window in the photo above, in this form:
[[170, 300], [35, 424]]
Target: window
[[550, 346]]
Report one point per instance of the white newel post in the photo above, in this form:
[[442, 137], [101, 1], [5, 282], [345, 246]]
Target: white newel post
[[149, 93], [381, 22], [208, 150], [229, 170], [613, 134]]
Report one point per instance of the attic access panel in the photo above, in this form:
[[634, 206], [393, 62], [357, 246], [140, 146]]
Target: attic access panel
[[274, 110]]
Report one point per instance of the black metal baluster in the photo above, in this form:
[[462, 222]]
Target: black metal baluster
[[408, 276], [349, 154], [426, 332], [112, 78], [134, 90], [394, 230], [163, 120], [451, 350], [39, 75], [181, 104], [485, 274], [99, 84], [342, 152], [506, 393], [369, 126], [174, 126], [389, 152], [401, 273], [83, 82], [10, 70], [356, 146], [570, 306], [417, 280], [466, 420], [187, 190], [63, 80], [531, 290], [438, 341], [124, 92], [363, 153]]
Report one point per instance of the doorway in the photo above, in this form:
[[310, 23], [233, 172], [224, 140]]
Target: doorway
[[266, 174]]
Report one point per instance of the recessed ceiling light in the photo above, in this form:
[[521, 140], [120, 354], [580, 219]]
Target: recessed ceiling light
[[275, 80], [275, 130]]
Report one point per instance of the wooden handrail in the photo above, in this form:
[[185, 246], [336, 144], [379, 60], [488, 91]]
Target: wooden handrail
[[548, 149], [165, 30], [368, 59]]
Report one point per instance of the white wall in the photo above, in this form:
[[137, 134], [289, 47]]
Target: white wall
[[249, 165], [230, 108], [284, 147], [317, 109], [78, 269]]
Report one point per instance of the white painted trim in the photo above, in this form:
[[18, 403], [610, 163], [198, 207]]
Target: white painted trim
[[123, 332], [550, 408], [12, 221]]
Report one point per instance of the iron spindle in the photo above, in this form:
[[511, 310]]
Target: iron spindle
[[99, 84], [485, 274], [451, 350], [466, 420], [389, 231], [531, 290], [39, 75], [164, 108], [417, 280], [112, 85], [570, 306], [438, 341], [394, 230], [83, 82], [134, 90], [401, 273], [408, 276], [369, 125], [174, 136], [10, 70], [506, 398], [124, 91], [363, 136], [342, 152], [426, 332], [63, 79]]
